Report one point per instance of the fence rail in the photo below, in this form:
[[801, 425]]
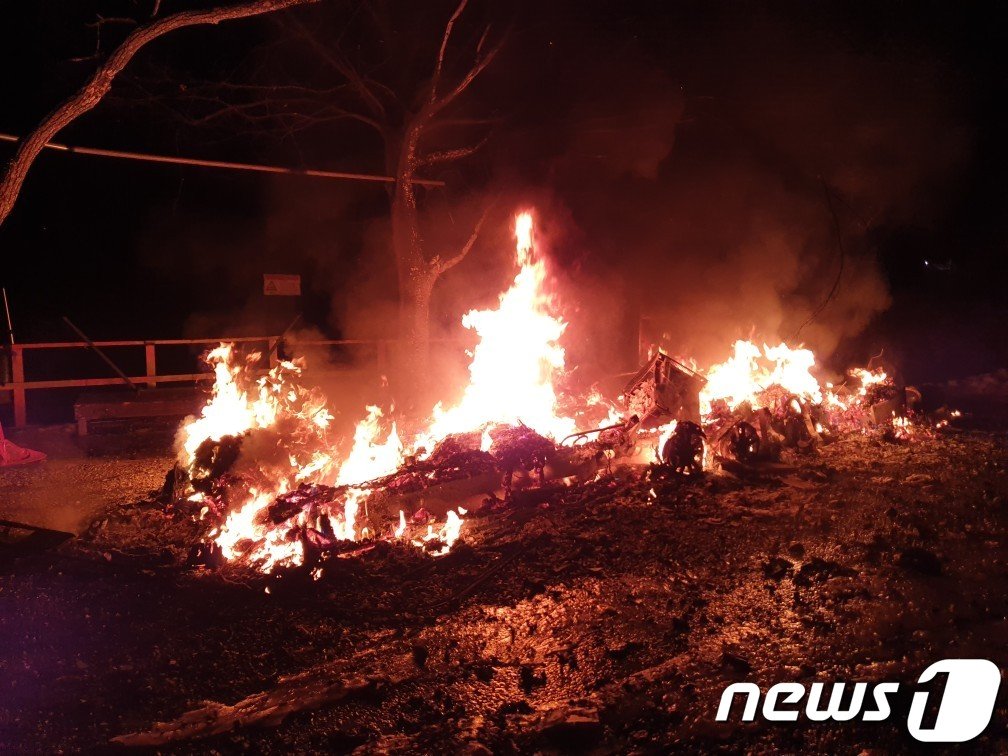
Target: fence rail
[[20, 387]]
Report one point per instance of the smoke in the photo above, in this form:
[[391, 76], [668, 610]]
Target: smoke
[[707, 174], [730, 179]]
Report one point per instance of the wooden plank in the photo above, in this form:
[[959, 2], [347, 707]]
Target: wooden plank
[[232, 340], [163, 402], [150, 362], [138, 343], [271, 349], [20, 387], [77, 344], [115, 411], [86, 382], [17, 373], [97, 403]]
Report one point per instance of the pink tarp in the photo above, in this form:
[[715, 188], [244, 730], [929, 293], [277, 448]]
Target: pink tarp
[[12, 454]]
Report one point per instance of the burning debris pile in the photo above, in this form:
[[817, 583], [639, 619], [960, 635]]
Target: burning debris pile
[[277, 489]]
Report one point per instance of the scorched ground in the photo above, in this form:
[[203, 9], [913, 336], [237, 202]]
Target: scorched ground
[[289, 591], [609, 618]]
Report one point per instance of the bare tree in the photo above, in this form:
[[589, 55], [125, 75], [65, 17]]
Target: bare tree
[[393, 74], [408, 123], [412, 114], [417, 268], [88, 96]]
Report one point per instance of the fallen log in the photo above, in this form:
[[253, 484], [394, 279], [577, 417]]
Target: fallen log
[[304, 691]]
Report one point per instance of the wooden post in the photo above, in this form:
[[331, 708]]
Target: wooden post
[[17, 371], [643, 339], [271, 348], [151, 362]]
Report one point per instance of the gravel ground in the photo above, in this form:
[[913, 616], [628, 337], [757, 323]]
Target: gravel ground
[[607, 621], [68, 490]]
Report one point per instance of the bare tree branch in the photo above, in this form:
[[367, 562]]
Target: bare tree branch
[[466, 248], [263, 112], [435, 80], [446, 156], [324, 93], [261, 103], [434, 107], [101, 81], [98, 26], [338, 61], [120, 20]]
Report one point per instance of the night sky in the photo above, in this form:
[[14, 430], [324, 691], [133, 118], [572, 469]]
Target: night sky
[[686, 161]]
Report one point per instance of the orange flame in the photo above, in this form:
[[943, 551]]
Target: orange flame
[[512, 371], [518, 356], [750, 371], [512, 375]]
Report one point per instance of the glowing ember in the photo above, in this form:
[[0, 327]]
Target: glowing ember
[[902, 428], [446, 535]]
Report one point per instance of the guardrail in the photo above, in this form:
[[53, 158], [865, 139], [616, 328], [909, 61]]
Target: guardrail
[[20, 387]]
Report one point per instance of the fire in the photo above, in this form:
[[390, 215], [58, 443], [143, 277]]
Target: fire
[[512, 372], [664, 434], [868, 378], [523, 237], [243, 537], [239, 404], [518, 356], [229, 411], [287, 444], [446, 535], [750, 371], [369, 459]]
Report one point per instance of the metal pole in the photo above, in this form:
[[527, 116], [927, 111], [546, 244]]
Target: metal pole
[[16, 373], [149, 158], [120, 373], [10, 325]]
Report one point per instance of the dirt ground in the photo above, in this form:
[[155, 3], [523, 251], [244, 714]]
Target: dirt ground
[[609, 621], [81, 479]]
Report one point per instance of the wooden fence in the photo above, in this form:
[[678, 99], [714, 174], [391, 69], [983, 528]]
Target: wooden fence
[[20, 387]]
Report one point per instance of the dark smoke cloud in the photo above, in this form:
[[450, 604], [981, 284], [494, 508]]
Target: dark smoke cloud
[[693, 166], [704, 180]]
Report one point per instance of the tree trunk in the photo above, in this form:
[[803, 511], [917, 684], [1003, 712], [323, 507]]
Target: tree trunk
[[417, 318], [416, 275], [101, 81]]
